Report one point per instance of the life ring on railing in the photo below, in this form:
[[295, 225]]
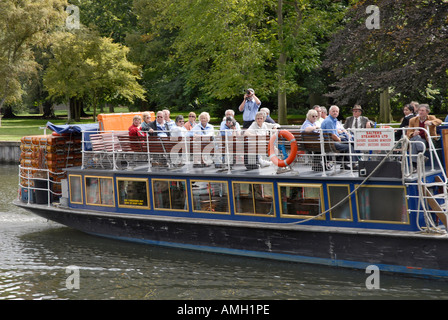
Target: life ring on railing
[[292, 155]]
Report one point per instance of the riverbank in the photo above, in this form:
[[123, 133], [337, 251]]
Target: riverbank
[[10, 152]]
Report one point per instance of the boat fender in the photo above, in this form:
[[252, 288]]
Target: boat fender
[[292, 155]]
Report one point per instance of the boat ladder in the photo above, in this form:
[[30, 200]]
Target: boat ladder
[[432, 199]]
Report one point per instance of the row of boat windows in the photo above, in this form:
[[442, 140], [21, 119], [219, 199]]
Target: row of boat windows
[[374, 203]]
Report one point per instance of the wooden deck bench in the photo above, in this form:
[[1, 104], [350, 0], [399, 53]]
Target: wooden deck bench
[[103, 145], [132, 143], [312, 142], [202, 150]]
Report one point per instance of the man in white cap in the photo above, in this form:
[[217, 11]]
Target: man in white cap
[[249, 107]]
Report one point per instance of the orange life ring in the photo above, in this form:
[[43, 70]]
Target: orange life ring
[[271, 152]]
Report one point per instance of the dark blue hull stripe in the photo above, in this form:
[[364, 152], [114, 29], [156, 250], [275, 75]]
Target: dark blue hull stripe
[[423, 272]]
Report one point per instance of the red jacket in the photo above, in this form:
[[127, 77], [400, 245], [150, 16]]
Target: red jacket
[[136, 132]]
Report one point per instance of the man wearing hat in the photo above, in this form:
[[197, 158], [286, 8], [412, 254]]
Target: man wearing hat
[[357, 121], [249, 107]]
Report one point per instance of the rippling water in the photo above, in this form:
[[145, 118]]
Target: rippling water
[[35, 256]]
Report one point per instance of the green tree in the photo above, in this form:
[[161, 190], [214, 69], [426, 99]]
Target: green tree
[[405, 55], [219, 48], [110, 18], [86, 66], [23, 24]]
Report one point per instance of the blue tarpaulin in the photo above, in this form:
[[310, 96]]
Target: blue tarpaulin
[[89, 128]]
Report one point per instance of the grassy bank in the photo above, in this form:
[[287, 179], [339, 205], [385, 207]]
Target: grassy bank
[[25, 125]]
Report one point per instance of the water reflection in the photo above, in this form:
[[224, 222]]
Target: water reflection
[[35, 254]]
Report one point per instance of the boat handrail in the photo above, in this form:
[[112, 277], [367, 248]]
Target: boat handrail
[[117, 151], [33, 179]]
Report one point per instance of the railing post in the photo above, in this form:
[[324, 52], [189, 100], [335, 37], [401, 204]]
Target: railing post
[[322, 152]]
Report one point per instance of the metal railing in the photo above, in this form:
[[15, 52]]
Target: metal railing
[[117, 152]]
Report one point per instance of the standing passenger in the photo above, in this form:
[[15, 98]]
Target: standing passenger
[[249, 107]]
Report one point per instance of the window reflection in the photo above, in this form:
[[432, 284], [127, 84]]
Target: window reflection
[[253, 198], [99, 191], [335, 195], [390, 204], [210, 196], [170, 194], [300, 200], [133, 193], [75, 189]]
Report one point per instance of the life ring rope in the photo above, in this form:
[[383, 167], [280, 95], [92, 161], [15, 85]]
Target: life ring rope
[[292, 155]]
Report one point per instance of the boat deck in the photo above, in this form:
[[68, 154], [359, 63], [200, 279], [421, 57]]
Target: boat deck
[[316, 156]]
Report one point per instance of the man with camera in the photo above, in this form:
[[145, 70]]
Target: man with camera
[[249, 107]]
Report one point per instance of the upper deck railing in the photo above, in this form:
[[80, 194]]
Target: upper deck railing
[[317, 152]]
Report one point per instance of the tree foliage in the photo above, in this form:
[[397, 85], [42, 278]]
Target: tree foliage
[[204, 53], [219, 48], [110, 18], [88, 66], [408, 53], [23, 24]]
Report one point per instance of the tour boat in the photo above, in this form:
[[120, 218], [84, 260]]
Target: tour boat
[[305, 202]]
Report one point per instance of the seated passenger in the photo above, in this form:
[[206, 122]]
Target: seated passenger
[[310, 124], [330, 125], [191, 121], [268, 115], [158, 127], [318, 109], [203, 128], [179, 157], [422, 120], [179, 130], [357, 120], [408, 111], [166, 116], [135, 128], [146, 121], [259, 127], [229, 113], [229, 127]]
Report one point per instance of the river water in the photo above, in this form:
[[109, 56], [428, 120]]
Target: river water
[[40, 259]]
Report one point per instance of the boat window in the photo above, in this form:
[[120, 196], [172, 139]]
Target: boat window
[[300, 200], [382, 203], [253, 198], [133, 193], [210, 196], [336, 193], [75, 189], [99, 191], [170, 194]]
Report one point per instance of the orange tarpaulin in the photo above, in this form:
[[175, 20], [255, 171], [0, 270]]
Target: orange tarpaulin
[[119, 121]]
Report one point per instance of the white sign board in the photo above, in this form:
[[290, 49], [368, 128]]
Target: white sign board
[[374, 139]]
